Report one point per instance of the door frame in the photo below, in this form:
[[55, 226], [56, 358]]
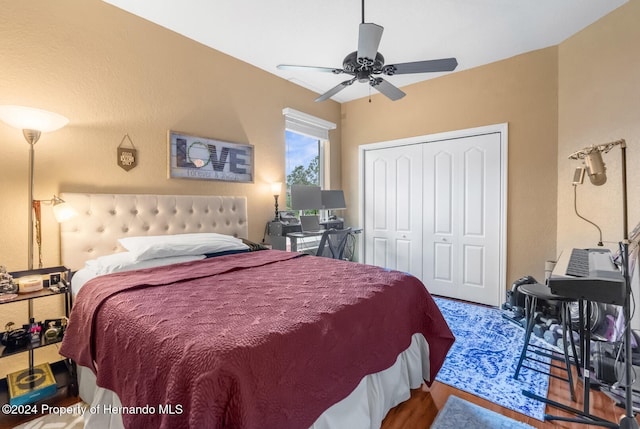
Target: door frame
[[503, 130]]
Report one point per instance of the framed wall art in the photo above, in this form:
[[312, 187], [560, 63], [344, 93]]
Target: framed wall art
[[192, 157]]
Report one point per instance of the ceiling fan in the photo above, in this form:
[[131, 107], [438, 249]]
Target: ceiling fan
[[367, 63]]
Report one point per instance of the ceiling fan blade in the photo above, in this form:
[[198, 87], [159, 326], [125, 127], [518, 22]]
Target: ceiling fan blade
[[369, 37], [309, 68], [333, 91], [391, 91], [428, 66]]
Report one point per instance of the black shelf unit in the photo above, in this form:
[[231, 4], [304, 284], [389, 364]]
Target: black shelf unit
[[63, 370]]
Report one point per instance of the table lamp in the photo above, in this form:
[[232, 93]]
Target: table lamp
[[276, 188]]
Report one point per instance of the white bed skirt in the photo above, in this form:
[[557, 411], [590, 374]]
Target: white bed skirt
[[364, 408]]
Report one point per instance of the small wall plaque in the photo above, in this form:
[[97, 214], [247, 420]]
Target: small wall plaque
[[127, 156]]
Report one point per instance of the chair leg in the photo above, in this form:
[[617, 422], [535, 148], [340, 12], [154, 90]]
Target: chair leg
[[576, 356], [565, 324], [529, 308], [565, 315]]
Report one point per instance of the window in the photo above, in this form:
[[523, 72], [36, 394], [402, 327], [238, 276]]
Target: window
[[307, 150], [302, 162]]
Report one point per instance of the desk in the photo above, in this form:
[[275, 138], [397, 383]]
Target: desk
[[295, 236]]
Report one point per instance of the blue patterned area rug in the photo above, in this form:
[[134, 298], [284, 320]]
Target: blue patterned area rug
[[458, 413], [485, 355]]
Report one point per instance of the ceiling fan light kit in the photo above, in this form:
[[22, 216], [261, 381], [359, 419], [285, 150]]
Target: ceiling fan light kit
[[366, 64]]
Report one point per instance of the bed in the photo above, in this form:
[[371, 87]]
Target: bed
[[239, 338]]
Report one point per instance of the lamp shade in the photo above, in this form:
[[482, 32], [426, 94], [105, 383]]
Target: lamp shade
[[28, 118], [63, 212], [276, 187]]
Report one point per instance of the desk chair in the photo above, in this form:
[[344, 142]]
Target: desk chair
[[333, 242], [532, 293]]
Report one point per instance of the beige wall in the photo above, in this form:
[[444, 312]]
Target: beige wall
[[521, 91], [112, 73], [599, 102]]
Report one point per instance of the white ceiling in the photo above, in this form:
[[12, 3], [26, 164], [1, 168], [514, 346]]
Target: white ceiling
[[266, 33]]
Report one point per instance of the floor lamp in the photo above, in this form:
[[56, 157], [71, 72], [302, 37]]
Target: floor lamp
[[32, 122], [592, 157]]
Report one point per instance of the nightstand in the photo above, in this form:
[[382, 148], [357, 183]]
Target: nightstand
[[36, 383]]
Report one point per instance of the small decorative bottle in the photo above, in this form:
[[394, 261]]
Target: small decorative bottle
[[34, 329]]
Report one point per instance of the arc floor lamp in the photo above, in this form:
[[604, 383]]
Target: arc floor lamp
[[33, 122]]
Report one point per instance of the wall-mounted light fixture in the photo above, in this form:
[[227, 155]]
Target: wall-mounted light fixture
[[32, 122], [62, 211]]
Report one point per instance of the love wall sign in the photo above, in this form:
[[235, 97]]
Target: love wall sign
[[192, 157]]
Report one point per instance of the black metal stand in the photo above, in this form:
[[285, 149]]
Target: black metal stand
[[628, 421], [583, 416]]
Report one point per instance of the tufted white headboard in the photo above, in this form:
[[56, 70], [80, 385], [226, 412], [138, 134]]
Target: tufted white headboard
[[104, 218]]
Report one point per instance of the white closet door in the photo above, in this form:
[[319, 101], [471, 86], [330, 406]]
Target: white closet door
[[393, 214], [462, 218]]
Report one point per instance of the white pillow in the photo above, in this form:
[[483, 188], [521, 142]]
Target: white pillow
[[125, 261], [162, 246]]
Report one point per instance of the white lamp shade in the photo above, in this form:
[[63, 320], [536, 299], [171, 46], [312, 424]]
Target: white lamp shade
[[28, 118], [63, 212], [276, 187]]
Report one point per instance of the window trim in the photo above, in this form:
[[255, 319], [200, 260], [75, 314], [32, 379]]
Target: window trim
[[309, 125], [312, 126]]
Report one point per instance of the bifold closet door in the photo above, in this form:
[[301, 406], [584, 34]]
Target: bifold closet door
[[462, 218], [393, 208]]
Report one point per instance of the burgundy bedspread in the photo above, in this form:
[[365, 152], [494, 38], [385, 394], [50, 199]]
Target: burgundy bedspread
[[257, 340]]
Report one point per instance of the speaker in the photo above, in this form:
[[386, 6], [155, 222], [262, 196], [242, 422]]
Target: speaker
[[15, 339], [603, 358]]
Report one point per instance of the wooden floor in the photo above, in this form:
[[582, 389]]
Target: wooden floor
[[421, 409]]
